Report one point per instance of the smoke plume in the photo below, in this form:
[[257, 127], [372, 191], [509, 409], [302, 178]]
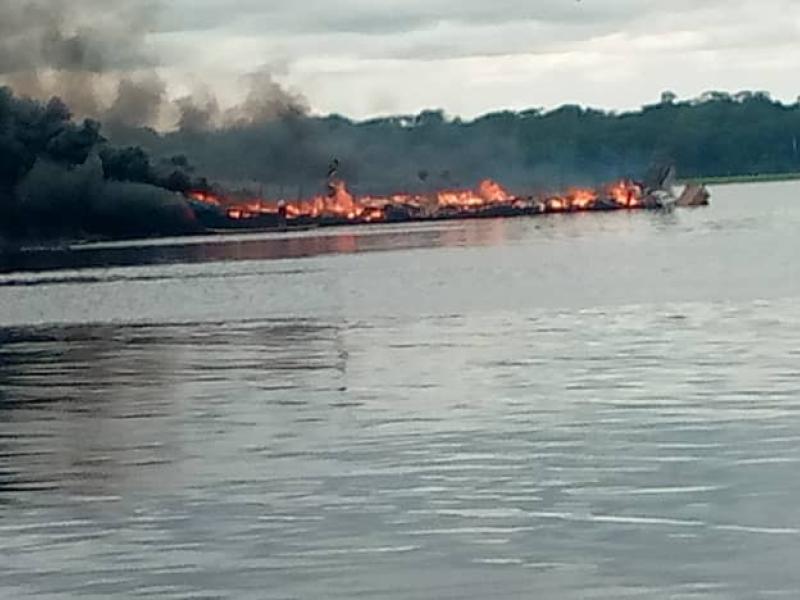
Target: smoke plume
[[53, 34], [76, 50], [59, 178], [96, 55]]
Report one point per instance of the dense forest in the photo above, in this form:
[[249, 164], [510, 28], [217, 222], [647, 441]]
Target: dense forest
[[63, 178], [718, 134]]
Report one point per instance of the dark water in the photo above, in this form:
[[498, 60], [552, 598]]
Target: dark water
[[588, 406]]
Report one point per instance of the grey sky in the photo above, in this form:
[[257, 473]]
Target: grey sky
[[365, 57]]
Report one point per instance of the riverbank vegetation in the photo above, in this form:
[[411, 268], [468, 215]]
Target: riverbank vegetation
[[60, 178]]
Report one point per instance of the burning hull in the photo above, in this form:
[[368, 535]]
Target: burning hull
[[488, 201]]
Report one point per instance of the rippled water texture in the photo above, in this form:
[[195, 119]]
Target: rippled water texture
[[587, 406]]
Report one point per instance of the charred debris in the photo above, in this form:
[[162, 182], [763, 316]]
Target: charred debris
[[338, 206]]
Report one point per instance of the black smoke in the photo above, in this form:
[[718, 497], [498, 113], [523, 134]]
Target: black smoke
[[61, 179]]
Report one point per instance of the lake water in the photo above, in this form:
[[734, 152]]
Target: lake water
[[579, 406]]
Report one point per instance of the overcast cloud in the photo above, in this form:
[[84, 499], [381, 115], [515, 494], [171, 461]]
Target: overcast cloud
[[363, 57]]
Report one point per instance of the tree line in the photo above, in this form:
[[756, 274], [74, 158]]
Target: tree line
[[717, 134]]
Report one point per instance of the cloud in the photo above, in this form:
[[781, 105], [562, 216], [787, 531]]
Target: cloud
[[403, 16], [359, 57]]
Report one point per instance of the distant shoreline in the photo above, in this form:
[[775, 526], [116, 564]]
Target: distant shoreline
[[732, 179]]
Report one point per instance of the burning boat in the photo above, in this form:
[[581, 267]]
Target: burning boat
[[488, 200]]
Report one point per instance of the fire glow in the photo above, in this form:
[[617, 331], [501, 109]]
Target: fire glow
[[489, 198]]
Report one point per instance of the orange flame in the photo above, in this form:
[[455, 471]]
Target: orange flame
[[341, 204], [626, 194], [205, 198]]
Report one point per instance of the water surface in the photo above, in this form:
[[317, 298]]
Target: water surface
[[581, 406]]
